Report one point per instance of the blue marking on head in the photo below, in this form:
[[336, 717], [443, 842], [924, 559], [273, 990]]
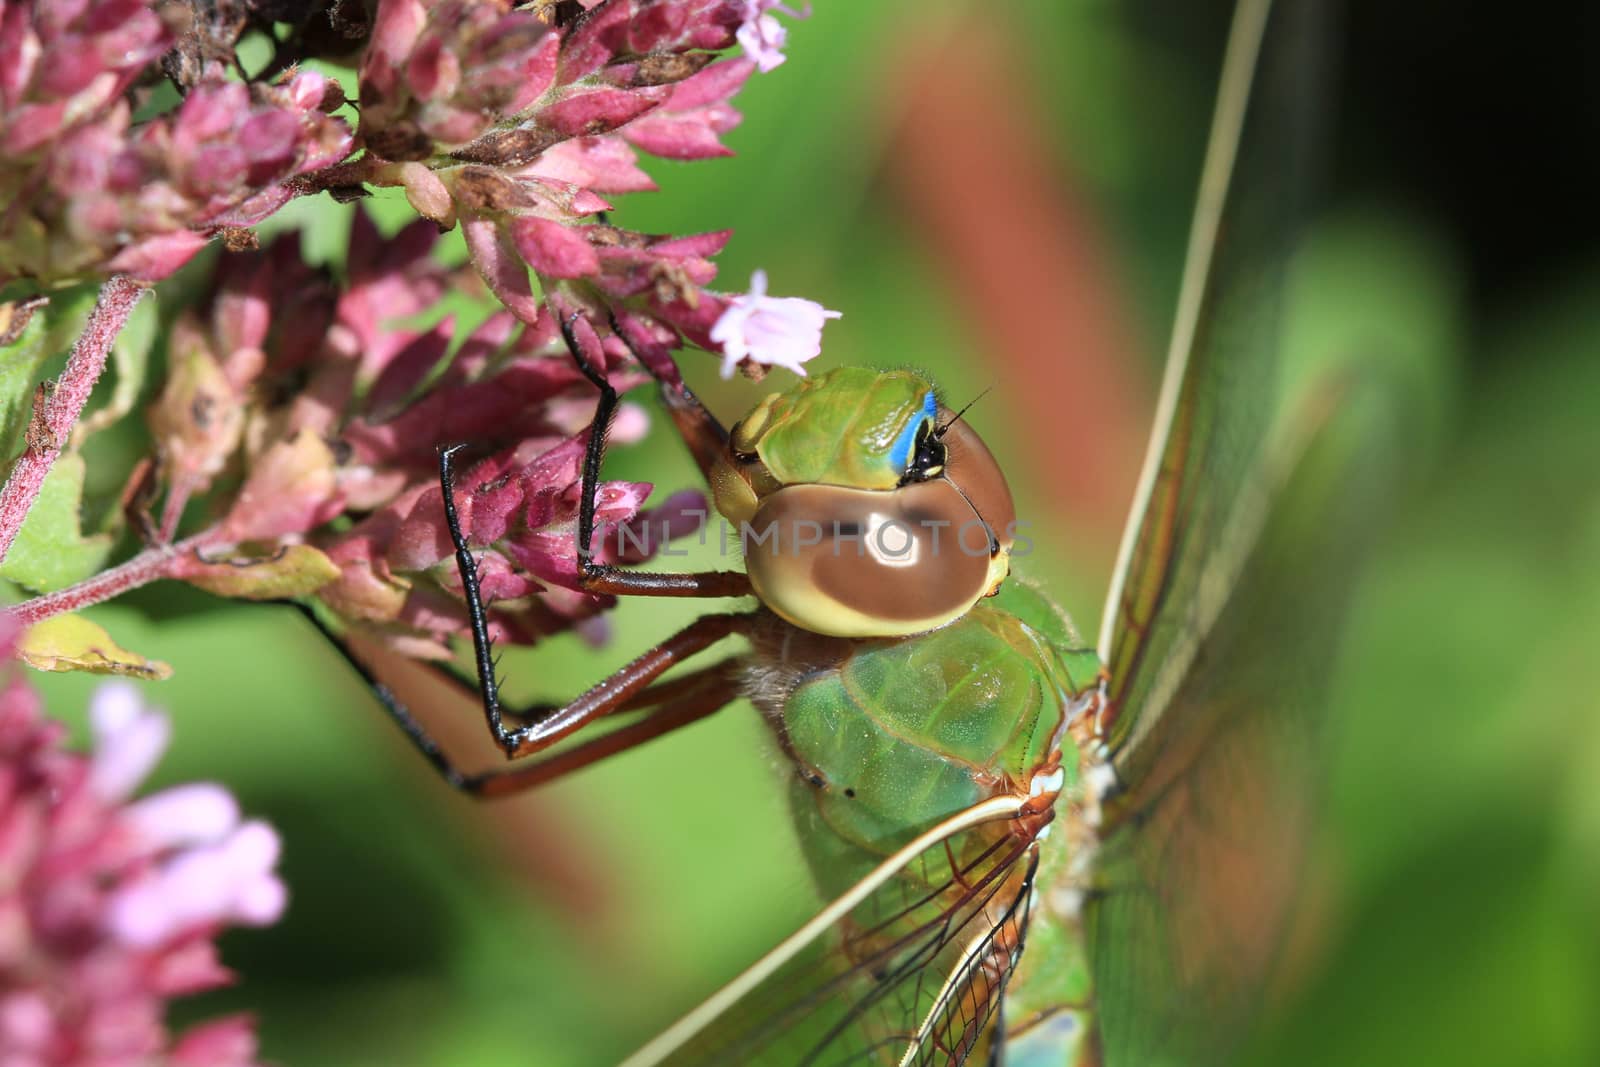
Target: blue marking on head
[[900, 454]]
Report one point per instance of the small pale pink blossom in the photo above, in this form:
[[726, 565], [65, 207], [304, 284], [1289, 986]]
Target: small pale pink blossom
[[762, 36], [783, 331], [129, 740], [190, 814], [227, 881]]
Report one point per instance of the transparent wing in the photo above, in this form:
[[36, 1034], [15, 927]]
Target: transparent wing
[[1262, 481], [1200, 856], [1199, 505], [908, 968]]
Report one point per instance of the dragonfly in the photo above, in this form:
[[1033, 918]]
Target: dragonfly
[[1036, 851]]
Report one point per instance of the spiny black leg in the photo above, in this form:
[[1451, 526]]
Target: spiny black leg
[[397, 711], [600, 577], [482, 650], [604, 410], [599, 700]]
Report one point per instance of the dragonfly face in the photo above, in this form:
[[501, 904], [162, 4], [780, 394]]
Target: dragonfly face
[[865, 508]]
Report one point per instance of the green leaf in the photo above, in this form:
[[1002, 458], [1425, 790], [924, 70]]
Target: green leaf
[[50, 333], [73, 643], [51, 552], [296, 570]]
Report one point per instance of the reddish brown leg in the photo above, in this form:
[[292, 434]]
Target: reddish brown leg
[[674, 702], [623, 689], [614, 692], [693, 697], [606, 580]]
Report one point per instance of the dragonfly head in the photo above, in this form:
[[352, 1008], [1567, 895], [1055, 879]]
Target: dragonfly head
[[865, 507]]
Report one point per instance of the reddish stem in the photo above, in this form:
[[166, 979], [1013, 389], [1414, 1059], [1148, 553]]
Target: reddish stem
[[148, 566], [57, 405], [356, 171]]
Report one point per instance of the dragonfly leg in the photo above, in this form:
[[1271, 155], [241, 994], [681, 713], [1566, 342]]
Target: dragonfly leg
[[695, 697], [673, 703], [602, 578], [525, 740], [611, 694], [599, 700]]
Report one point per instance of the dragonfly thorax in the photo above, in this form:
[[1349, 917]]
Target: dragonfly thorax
[[864, 507], [888, 736]]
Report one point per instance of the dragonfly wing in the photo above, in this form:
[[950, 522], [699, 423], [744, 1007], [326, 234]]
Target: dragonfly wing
[[897, 971], [1200, 855], [1218, 631], [1198, 505]]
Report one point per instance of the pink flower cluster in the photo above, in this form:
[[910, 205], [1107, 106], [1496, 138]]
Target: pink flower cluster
[[518, 130], [87, 191], [298, 425], [293, 402], [67, 60], [501, 119], [109, 906]]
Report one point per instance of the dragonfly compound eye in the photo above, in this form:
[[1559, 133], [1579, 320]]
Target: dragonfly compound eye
[[971, 468], [871, 563]]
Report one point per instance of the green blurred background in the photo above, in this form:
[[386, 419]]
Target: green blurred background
[[1000, 193]]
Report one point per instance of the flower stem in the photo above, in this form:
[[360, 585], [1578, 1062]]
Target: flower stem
[[356, 171], [58, 404], [148, 566]]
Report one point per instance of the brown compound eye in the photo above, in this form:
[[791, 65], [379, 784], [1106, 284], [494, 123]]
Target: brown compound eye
[[868, 563], [971, 468]]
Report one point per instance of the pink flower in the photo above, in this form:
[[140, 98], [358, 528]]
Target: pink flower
[[437, 75], [106, 195], [111, 908], [522, 153], [289, 404], [320, 403], [780, 331], [518, 508], [209, 869], [762, 36], [61, 62], [129, 740], [689, 122], [225, 881]]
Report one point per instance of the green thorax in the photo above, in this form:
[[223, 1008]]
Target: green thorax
[[847, 427], [900, 734]]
